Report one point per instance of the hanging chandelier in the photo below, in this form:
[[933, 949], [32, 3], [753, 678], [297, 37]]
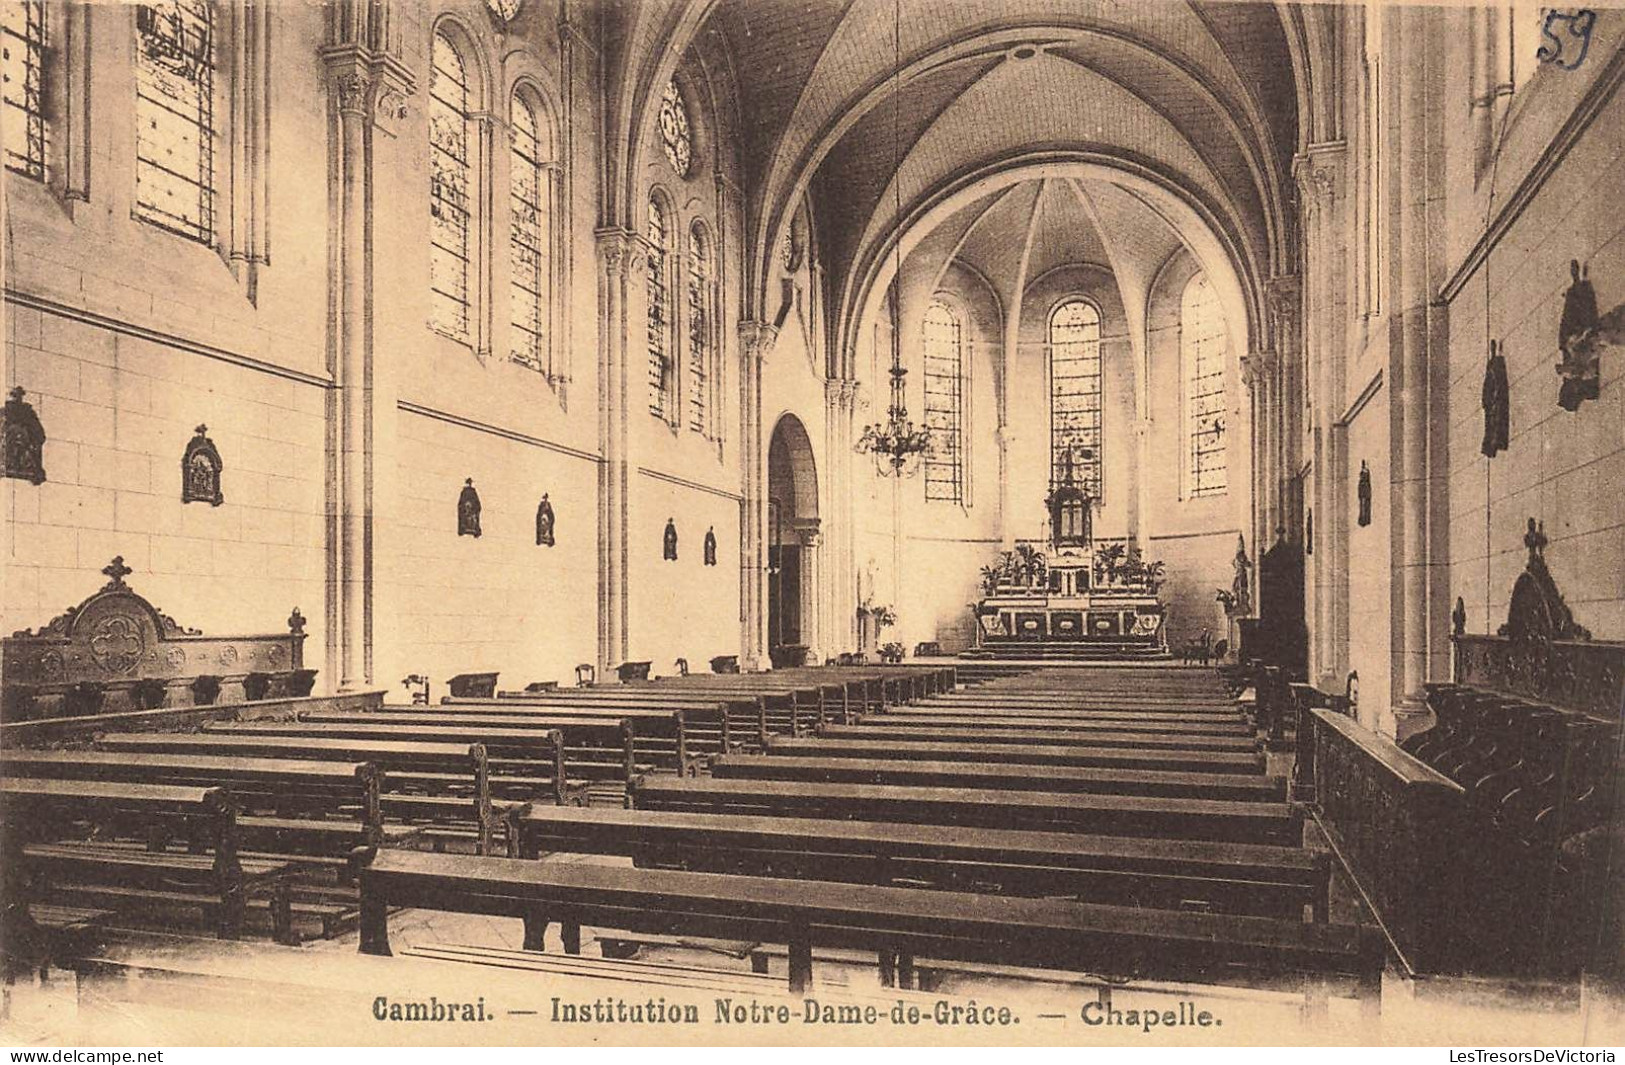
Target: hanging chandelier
[[897, 446]]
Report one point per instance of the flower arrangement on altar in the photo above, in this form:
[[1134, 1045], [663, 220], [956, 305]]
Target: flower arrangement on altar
[[1024, 567]]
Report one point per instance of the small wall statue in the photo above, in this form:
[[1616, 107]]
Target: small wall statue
[[711, 546], [1364, 494], [669, 546], [1579, 367], [24, 440], [468, 510], [200, 470], [1497, 400], [544, 523]]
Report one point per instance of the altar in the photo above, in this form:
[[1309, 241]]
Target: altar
[[1082, 597]]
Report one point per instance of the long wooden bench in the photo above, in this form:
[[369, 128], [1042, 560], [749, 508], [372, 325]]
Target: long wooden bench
[[1137, 706], [885, 727], [1117, 815], [947, 774], [791, 708], [297, 807], [890, 922], [1034, 754], [713, 723], [47, 857], [595, 747], [677, 738], [1223, 877], [438, 787], [1122, 720]]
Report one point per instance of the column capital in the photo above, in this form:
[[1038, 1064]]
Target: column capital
[[808, 530], [617, 248], [1257, 367], [1319, 173], [755, 338]]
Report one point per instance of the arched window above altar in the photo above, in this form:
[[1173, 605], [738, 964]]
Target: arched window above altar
[[1074, 398]]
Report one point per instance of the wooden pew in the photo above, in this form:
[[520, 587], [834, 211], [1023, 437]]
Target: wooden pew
[[674, 737], [1227, 877], [1034, 754], [43, 857], [1122, 721], [892, 922], [718, 721], [1128, 702], [292, 807], [595, 747], [1235, 787], [428, 784], [885, 727], [791, 707], [1116, 815]]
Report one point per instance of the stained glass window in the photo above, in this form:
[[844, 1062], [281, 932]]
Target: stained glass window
[[660, 378], [674, 131], [944, 358], [22, 61], [699, 329], [529, 238], [174, 141], [449, 179], [1204, 343], [1074, 400]]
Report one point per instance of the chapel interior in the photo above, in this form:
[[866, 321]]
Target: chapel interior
[[1040, 501]]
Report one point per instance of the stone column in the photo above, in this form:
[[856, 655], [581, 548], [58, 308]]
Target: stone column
[[1006, 438], [755, 341], [618, 250], [1417, 400], [839, 603], [808, 533], [1320, 173]]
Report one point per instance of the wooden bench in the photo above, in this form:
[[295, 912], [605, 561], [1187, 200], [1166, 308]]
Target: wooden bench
[[292, 808], [46, 857], [889, 922], [440, 788], [948, 774], [1035, 754], [1116, 815], [595, 747], [713, 723], [886, 727], [675, 737], [1223, 877], [1152, 723]]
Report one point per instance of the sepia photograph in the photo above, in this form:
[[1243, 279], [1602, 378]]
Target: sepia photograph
[[812, 523]]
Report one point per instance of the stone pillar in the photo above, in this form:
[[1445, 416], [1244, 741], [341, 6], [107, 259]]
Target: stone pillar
[[811, 539], [1417, 402], [618, 251], [366, 83], [1320, 173], [755, 341], [1006, 438], [839, 601]]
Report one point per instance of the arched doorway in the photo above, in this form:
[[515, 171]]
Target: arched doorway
[[792, 545]]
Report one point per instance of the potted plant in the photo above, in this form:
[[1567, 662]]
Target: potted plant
[[891, 652]]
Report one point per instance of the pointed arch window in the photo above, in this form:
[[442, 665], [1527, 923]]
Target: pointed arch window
[[661, 384], [530, 236], [22, 73], [1204, 348], [1074, 398], [450, 176], [174, 109], [943, 355], [701, 329]]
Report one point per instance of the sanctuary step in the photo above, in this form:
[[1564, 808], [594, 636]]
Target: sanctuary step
[[1091, 650]]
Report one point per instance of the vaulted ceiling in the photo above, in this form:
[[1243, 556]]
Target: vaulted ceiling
[[1130, 124]]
